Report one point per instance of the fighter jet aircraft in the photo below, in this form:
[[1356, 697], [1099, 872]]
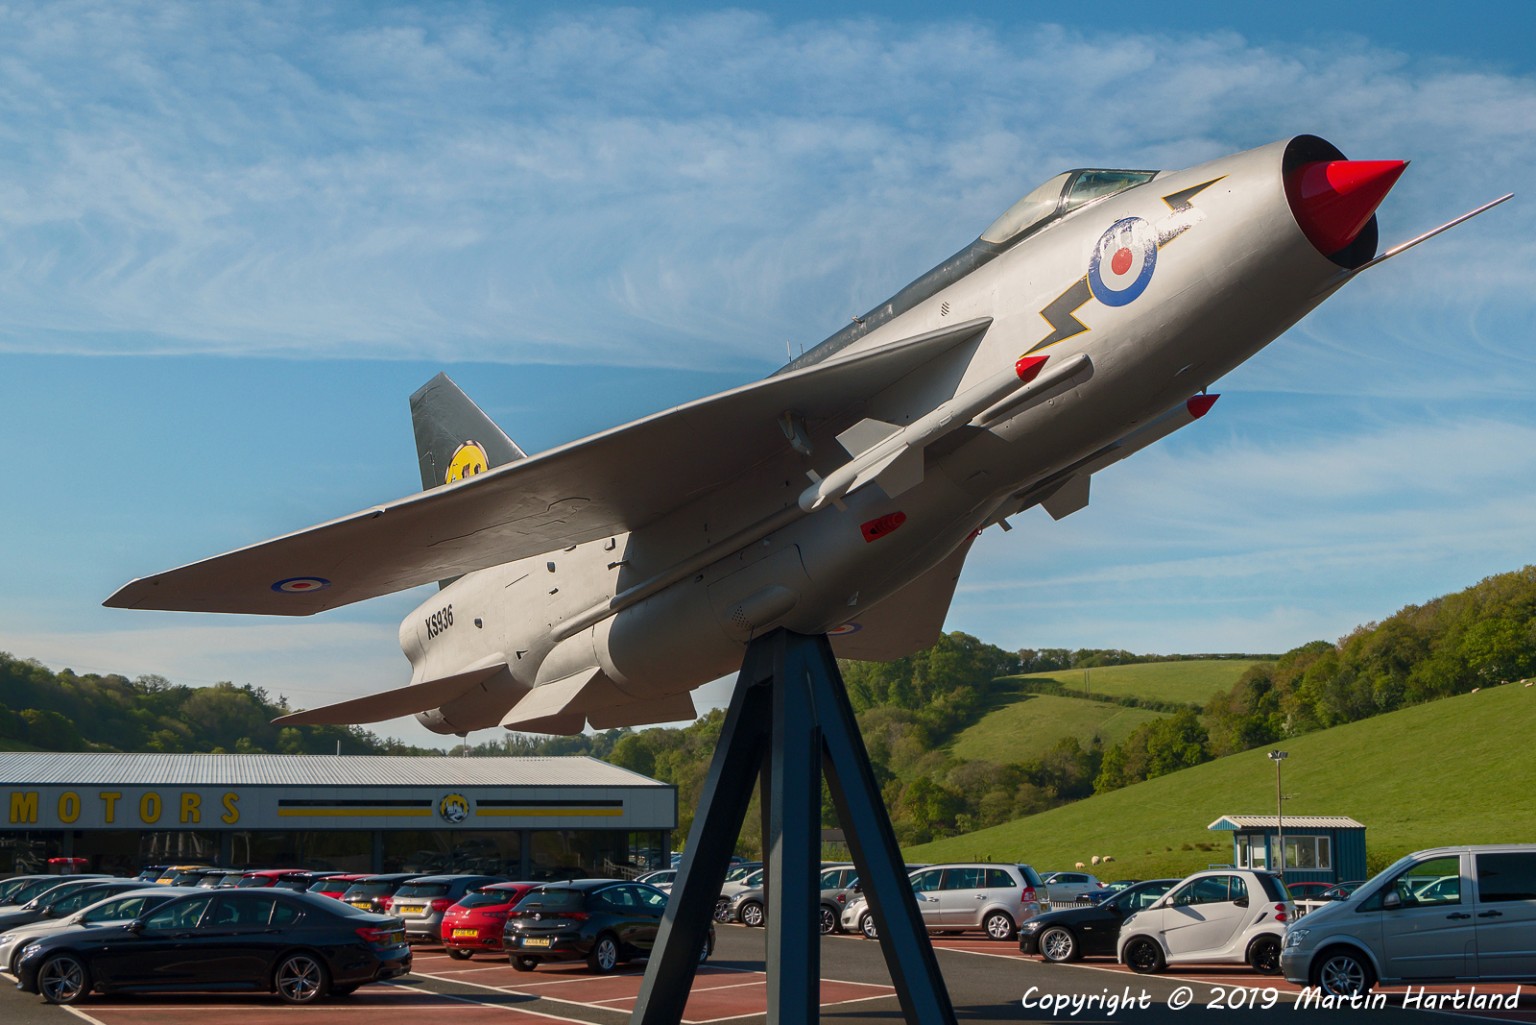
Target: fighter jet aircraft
[[601, 581]]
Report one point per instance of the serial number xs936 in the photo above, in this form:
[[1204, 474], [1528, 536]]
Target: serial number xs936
[[439, 621]]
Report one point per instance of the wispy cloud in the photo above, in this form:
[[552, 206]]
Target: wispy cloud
[[618, 186]]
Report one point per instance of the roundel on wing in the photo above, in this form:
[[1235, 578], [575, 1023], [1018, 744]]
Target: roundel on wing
[[468, 460], [1123, 261]]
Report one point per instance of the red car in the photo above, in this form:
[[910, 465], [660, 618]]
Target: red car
[[476, 921]]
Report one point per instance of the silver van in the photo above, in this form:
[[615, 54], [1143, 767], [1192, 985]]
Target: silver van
[[1446, 914]]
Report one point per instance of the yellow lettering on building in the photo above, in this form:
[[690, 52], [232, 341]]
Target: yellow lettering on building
[[109, 799], [191, 809], [231, 813], [149, 808], [69, 806], [23, 806]]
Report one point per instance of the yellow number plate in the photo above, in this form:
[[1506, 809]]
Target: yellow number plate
[[536, 941], [462, 934]]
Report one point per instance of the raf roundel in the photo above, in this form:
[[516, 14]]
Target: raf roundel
[[301, 585], [1123, 261]]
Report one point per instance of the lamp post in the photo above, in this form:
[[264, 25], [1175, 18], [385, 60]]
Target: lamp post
[[1277, 757]]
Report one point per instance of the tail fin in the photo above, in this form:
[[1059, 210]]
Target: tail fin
[[454, 438]]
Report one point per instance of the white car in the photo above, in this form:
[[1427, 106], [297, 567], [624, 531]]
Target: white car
[[1223, 916]]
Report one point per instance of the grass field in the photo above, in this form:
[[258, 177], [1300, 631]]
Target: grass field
[[1193, 682], [1031, 725], [1457, 770]]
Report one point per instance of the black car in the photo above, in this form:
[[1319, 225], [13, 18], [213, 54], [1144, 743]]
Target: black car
[[297, 945], [1088, 930], [601, 921], [375, 892]]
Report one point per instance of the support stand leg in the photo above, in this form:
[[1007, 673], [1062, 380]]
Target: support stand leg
[[790, 709]]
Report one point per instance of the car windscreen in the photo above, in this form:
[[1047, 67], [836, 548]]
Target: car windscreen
[[423, 890], [366, 889], [486, 898]]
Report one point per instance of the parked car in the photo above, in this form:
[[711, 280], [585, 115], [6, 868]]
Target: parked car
[[32, 887], [63, 901], [376, 892], [1088, 930], [215, 878], [837, 888], [46, 896], [423, 901], [661, 878], [122, 907], [600, 921], [478, 919], [1451, 913], [750, 879], [336, 885], [995, 898], [296, 879], [1306, 890], [1339, 891], [1220, 916], [297, 945], [1065, 888]]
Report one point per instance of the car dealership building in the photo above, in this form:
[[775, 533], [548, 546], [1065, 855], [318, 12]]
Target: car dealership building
[[527, 818]]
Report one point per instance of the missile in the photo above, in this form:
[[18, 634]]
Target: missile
[[892, 456], [1064, 493]]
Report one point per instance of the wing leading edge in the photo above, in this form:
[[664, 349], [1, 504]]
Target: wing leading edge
[[615, 481]]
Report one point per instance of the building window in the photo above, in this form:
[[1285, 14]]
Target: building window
[[1251, 852], [1308, 853]]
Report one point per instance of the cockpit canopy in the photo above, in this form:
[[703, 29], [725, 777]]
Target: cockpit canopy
[[1060, 196]]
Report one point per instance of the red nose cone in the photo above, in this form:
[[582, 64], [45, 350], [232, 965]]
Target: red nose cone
[[1334, 200]]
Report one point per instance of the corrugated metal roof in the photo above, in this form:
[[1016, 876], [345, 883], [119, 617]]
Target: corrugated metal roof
[[1291, 822], [47, 768]]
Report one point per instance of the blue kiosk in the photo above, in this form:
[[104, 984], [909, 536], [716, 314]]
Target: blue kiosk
[[1318, 848]]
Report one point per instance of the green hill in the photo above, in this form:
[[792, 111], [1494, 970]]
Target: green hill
[[1457, 770], [1022, 725], [1191, 682], [1029, 726]]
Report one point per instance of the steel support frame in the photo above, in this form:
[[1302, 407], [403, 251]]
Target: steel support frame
[[789, 721]]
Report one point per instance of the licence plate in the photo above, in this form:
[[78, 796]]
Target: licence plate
[[465, 934], [536, 941], [410, 909], [363, 905]]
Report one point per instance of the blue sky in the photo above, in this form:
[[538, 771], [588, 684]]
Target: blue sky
[[235, 237]]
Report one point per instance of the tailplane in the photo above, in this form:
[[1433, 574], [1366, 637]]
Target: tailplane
[[454, 437]]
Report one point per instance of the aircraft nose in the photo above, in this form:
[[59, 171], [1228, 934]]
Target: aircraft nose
[[1333, 200]]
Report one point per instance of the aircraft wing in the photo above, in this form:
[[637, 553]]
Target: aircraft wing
[[612, 482], [909, 620]]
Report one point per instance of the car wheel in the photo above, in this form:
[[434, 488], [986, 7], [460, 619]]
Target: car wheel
[[460, 954], [63, 979], [752, 914], [999, 925], [867, 926], [1264, 955], [1144, 956], [828, 921], [605, 955], [300, 979], [1058, 945], [525, 964], [722, 910], [1342, 973]]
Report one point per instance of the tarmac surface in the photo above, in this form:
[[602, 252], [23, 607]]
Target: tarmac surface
[[989, 982]]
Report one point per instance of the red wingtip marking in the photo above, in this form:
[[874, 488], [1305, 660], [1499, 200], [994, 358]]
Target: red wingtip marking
[[1200, 405], [1028, 367]]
